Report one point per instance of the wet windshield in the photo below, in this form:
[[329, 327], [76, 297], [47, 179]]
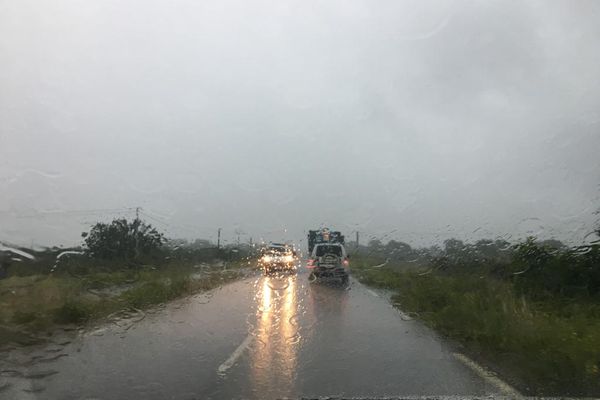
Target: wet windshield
[[278, 250], [173, 175], [325, 249]]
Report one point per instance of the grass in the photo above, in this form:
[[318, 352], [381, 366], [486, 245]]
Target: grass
[[545, 347], [33, 305]]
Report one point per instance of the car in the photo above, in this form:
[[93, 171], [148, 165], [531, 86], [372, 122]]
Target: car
[[277, 257], [329, 260]]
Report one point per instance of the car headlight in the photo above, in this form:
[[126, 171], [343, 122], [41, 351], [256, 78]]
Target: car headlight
[[266, 259], [288, 258]]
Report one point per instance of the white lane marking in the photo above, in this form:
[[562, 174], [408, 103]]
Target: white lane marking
[[372, 292], [235, 355], [490, 377]]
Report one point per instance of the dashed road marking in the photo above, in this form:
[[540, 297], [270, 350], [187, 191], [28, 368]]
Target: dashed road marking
[[372, 292], [490, 377], [223, 368]]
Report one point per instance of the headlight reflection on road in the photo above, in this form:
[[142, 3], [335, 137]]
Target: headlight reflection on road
[[275, 352], [265, 298]]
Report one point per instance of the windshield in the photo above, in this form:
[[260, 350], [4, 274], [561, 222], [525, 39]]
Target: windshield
[[328, 249], [174, 175], [278, 250]]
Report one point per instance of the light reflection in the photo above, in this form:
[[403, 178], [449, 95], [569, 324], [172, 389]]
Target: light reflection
[[266, 297], [275, 354]]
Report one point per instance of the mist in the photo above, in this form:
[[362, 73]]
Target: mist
[[414, 120]]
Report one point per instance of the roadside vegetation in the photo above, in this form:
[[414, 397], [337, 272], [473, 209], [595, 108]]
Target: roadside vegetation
[[531, 311], [121, 266]]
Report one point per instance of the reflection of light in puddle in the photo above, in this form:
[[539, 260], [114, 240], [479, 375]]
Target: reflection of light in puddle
[[294, 320], [278, 284], [274, 355], [265, 298], [295, 339]]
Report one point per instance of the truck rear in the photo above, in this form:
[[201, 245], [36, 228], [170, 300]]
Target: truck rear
[[323, 236], [329, 260]]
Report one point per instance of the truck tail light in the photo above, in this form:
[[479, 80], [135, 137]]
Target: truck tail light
[[346, 262], [310, 263]]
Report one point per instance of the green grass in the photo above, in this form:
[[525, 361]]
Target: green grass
[[33, 305], [549, 347]]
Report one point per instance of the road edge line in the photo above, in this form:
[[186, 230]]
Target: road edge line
[[489, 376]]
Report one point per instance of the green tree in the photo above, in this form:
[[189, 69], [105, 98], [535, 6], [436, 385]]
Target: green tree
[[398, 250], [122, 239], [376, 247]]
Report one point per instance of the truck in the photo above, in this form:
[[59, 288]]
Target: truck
[[323, 236]]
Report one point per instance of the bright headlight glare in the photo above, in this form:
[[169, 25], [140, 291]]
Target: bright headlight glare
[[267, 258]]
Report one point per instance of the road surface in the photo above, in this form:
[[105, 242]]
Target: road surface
[[258, 338]]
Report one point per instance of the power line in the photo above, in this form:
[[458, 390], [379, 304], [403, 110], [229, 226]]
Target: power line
[[153, 215], [155, 219], [43, 214], [179, 225], [170, 227]]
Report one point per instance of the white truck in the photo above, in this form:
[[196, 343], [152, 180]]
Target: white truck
[[329, 260]]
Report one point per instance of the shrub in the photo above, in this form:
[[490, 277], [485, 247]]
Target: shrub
[[72, 312], [122, 239], [20, 317], [156, 292]]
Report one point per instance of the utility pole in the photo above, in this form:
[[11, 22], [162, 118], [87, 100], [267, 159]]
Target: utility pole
[[357, 236], [219, 238], [136, 225]]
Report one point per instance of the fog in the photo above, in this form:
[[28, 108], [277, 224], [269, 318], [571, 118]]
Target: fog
[[415, 120]]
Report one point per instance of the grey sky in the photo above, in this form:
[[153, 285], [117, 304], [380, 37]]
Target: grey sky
[[431, 118]]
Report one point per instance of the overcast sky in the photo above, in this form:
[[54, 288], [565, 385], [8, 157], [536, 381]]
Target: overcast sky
[[426, 119]]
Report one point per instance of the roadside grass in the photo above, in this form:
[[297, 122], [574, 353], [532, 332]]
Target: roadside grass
[[32, 306], [545, 347]]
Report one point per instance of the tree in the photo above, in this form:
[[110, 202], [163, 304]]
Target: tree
[[456, 250], [398, 250], [375, 246], [453, 246], [122, 239]]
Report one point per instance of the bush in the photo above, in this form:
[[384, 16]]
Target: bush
[[122, 239], [566, 272], [20, 317], [72, 312], [156, 292], [550, 344]]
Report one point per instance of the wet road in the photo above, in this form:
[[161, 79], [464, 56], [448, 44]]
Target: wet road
[[260, 338]]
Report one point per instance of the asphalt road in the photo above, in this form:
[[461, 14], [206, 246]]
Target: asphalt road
[[259, 338]]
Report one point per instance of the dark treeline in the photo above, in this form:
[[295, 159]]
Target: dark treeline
[[540, 267], [119, 245]]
